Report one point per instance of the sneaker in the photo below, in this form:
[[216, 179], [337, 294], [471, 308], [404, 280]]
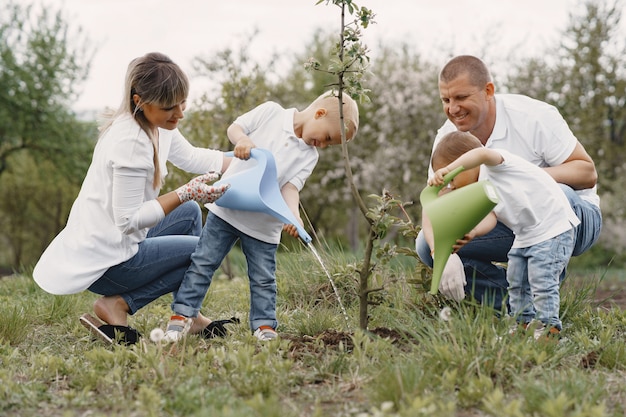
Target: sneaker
[[177, 328], [265, 333], [547, 333], [518, 327]]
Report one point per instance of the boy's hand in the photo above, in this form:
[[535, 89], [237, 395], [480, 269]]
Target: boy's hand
[[464, 241], [291, 229], [437, 178], [243, 147]]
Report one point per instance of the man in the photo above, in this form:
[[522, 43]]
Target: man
[[531, 129]]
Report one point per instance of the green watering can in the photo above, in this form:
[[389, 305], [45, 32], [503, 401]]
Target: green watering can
[[255, 188], [453, 215]]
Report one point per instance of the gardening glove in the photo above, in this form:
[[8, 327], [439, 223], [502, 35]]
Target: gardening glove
[[452, 284], [198, 190]]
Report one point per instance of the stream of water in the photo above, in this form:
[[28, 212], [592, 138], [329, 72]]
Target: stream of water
[[332, 283]]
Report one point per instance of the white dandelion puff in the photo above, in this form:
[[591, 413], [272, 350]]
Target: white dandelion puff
[[156, 335], [445, 314]]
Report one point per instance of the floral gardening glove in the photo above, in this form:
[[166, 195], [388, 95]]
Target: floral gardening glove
[[198, 190], [452, 284]]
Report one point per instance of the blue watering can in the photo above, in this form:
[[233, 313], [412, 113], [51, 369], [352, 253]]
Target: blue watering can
[[256, 189], [453, 215]]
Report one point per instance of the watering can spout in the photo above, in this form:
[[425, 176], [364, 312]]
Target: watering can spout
[[453, 215], [255, 188]]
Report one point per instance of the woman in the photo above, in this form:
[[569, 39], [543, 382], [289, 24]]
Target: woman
[[123, 240]]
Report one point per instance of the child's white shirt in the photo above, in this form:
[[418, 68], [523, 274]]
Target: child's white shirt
[[531, 203], [270, 127]]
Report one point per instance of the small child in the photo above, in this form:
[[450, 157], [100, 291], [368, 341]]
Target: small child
[[292, 136], [534, 207]]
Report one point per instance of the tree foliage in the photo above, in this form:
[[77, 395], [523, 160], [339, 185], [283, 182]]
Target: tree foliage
[[43, 147], [43, 61], [585, 78]]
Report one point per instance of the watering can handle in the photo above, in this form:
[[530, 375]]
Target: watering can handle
[[282, 213], [432, 191], [450, 176]]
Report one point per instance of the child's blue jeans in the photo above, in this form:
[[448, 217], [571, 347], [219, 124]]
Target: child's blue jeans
[[534, 274], [217, 239]]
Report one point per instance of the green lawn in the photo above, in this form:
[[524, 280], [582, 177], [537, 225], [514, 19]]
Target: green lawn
[[412, 363]]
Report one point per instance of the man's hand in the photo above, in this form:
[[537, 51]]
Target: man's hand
[[453, 280]]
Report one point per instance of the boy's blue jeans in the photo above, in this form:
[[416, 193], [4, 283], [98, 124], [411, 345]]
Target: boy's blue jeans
[[217, 239], [160, 264], [486, 281], [534, 274]]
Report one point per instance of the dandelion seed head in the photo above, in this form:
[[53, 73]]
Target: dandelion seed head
[[156, 335], [445, 314]]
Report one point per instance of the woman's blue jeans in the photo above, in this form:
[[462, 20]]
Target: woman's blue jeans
[[217, 239], [486, 281], [159, 266]]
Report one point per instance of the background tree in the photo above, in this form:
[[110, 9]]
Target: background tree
[[585, 78], [44, 149]]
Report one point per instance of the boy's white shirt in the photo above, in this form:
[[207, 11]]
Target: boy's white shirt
[[116, 205], [270, 127], [531, 203]]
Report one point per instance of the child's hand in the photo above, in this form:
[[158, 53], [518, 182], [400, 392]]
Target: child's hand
[[437, 178], [464, 241], [291, 229], [243, 147]]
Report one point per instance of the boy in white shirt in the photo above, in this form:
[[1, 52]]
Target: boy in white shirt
[[292, 137], [534, 207]]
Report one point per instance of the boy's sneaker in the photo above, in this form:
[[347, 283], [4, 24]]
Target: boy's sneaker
[[546, 333], [177, 328], [517, 328], [265, 333]]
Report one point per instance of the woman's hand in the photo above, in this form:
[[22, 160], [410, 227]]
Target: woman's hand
[[198, 190]]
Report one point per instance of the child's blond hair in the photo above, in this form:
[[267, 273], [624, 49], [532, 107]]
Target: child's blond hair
[[453, 145], [330, 101]]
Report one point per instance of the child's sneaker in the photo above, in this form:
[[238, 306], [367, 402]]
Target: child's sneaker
[[177, 328], [547, 333], [265, 333], [518, 328]]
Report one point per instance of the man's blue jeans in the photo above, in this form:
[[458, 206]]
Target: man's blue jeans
[[486, 281], [217, 239], [160, 264]]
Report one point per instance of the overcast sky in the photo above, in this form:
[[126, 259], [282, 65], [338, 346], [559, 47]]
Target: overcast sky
[[121, 30]]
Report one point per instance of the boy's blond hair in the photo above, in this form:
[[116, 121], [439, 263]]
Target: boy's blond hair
[[330, 101], [453, 145]]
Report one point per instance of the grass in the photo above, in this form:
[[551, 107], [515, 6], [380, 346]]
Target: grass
[[321, 366]]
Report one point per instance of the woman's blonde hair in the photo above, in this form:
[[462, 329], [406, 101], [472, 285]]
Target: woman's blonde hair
[[157, 80]]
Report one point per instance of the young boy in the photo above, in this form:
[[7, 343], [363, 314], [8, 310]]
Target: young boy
[[534, 207], [292, 136]]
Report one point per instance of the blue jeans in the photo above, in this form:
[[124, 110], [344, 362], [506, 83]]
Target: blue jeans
[[534, 275], [160, 264], [486, 281], [590, 216], [216, 240]]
